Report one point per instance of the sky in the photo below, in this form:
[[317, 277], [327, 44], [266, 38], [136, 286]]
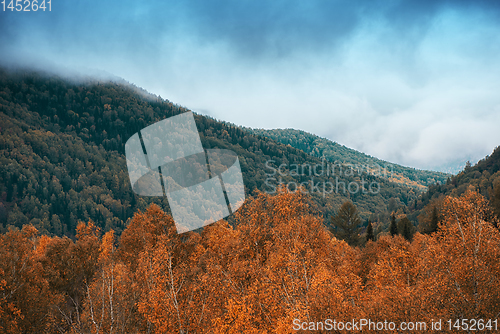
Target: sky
[[412, 82]]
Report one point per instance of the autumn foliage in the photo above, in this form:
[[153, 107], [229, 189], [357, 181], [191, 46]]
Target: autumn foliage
[[274, 263]]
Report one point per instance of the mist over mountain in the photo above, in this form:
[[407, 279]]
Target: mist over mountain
[[62, 152], [483, 177], [426, 96], [367, 139]]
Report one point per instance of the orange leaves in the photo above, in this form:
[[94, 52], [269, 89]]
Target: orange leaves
[[469, 223], [24, 293], [239, 317], [277, 263], [285, 265], [142, 232], [107, 247], [172, 300], [470, 241], [87, 231], [10, 315], [109, 296], [452, 274]]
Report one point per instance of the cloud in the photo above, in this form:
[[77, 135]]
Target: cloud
[[413, 82]]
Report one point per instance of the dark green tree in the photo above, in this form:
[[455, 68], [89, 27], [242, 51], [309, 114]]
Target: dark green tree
[[369, 232], [393, 227], [346, 223], [406, 228]]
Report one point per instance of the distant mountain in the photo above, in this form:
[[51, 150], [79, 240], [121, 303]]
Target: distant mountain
[[322, 147], [453, 167], [483, 177], [62, 157]]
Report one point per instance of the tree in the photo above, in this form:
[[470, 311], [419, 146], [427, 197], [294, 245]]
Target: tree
[[431, 215], [394, 289], [287, 267], [110, 298], [405, 228], [346, 223], [471, 253], [369, 232], [25, 295], [173, 300], [393, 228], [434, 221], [494, 195]]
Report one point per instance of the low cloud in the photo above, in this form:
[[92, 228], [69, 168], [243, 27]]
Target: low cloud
[[412, 82]]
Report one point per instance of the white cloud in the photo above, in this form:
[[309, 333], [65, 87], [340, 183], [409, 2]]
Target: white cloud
[[422, 95]]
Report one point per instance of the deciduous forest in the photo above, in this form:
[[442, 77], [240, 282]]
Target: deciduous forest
[[278, 263]]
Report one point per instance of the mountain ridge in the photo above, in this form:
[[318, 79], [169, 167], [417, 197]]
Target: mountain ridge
[[323, 147], [483, 177], [62, 152]]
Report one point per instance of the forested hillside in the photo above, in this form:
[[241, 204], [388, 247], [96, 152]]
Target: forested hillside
[[483, 177], [62, 157], [81, 253], [322, 147]]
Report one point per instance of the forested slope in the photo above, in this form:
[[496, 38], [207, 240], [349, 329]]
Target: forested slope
[[483, 177], [322, 147], [62, 156], [272, 267]]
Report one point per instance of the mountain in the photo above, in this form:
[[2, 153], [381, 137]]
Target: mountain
[[483, 177], [332, 151], [63, 158]]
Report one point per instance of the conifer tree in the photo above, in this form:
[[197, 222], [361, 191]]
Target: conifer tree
[[369, 232], [406, 228], [393, 227], [346, 223]]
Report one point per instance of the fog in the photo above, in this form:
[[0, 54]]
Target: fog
[[411, 82]]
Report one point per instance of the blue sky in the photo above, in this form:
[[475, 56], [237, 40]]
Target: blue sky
[[411, 82]]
